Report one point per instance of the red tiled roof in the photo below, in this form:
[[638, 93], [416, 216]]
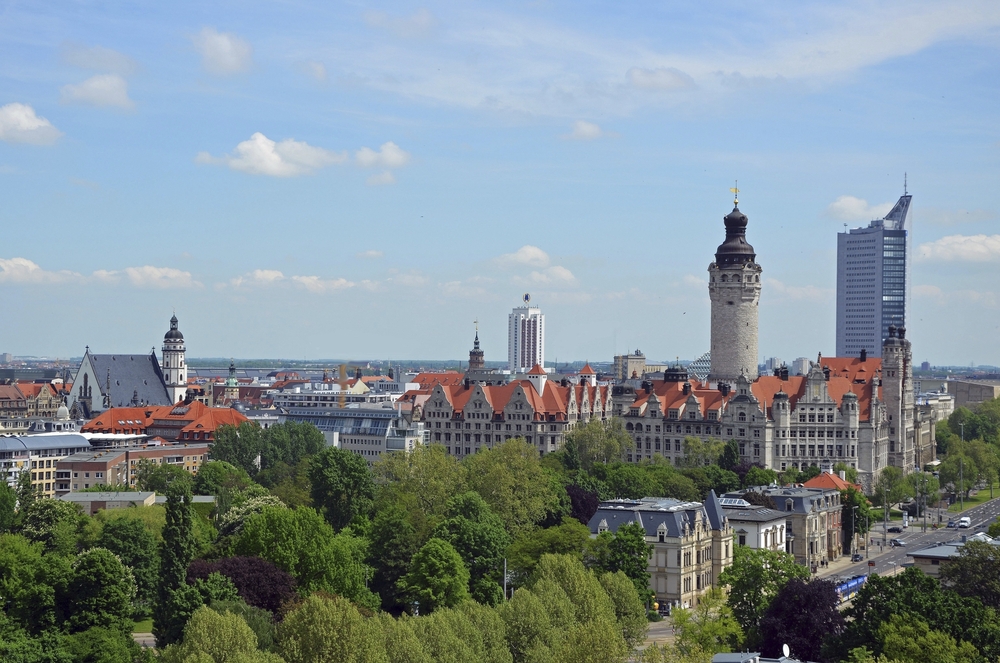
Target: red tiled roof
[[537, 370], [587, 370], [827, 480]]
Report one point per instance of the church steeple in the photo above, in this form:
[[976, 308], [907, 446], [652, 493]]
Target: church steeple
[[174, 367], [477, 361]]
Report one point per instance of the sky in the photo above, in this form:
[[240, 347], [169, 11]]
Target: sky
[[315, 180]]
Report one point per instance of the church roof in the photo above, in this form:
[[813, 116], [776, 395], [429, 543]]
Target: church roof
[[131, 375], [587, 370], [537, 370]]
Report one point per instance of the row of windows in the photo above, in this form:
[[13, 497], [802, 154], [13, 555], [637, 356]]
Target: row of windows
[[818, 450]]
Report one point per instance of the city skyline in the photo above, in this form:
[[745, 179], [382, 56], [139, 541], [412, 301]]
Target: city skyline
[[328, 185]]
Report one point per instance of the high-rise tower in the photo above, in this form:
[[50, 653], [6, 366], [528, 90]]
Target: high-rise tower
[[174, 367], [871, 282], [734, 288], [525, 337]]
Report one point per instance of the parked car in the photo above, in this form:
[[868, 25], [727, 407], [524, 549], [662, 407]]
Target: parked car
[[952, 523], [896, 543], [857, 557], [896, 529]]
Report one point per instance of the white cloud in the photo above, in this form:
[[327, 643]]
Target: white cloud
[[661, 78], [19, 124], [419, 24], [22, 270], [370, 255], [101, 90], [583, 130], [926, 291], [98, 58], [149, 276], [223, 53], [554, 275], [849, 208], [982, 298], [779, 290], [258, 277], [320, 285], [389, 155], [528, 255], [381, 179], [969, 248], [262, 156]]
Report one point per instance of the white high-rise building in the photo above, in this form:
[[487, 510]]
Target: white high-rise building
[[174, 367], [525, 338]]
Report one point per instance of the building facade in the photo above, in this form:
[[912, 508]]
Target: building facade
[[525, 338], [871, 281], [734, 289], [37, 454], [692, 543]]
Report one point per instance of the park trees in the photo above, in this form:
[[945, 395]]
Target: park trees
[[102, 592], [479, 537], [135, 546], [423, 480], [975, 572], [802, 615], [437, 577], [698, 452], [597, 442], [258, 582], [343, 487], [856, 516], [217, 476], [891, 487], [326, 628], [707, 628], [629, 553], [157, 476], [392, 545], [754, 580], [239, 445], [53, 523], [176, 601]]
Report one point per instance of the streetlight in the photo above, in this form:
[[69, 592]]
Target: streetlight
[[961, 470], [854, 530]]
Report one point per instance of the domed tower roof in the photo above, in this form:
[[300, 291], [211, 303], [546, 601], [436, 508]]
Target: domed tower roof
[[174, 334], [735, 250]]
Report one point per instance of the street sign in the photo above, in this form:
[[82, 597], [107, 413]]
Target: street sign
[[871, 563]]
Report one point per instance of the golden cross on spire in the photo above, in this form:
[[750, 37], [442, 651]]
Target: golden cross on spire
[[736, 193], [476, 323]]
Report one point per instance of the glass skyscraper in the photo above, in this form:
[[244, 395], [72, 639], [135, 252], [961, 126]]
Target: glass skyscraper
[[871, 282]]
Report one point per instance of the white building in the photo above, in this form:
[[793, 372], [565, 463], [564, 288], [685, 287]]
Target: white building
[[174, 366], [755, 526], [525, 338]]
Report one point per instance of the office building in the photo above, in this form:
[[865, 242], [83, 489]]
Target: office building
[[525, 338], [871, 282]]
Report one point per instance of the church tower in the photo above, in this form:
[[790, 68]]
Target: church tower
[[174, 366], [897, 392], [477, 361], [734, 288], [232, 392]]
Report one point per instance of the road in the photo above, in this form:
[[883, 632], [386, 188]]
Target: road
[[890, 559]]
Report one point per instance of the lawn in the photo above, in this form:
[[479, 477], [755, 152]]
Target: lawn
[[975, 500], [145, 626]]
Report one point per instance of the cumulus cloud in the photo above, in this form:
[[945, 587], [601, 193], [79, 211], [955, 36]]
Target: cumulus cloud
[[849, 208], [661, 78], [418, 24], [262, 156], [982, 298], [102, 90], [527, 255], [149, 276], [222, 53], [969, 248], [554, 275], [389, 155], [583, 130], [321, 285], [22, 270], [20, 124], [810, 292], [381, 179], [98, 58], [258, 277], [370, 254]]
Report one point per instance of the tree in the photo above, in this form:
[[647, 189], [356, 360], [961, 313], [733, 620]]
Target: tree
[[907, 639], [754, 579], [437, 577], [302, 543], [95, 645], [102, 592], [975, 572], [852, 520], [628, 480], [891, 487], [924, 486], [342, 486], [426, 477], [258, 582], [698, 452], [583, 502], [53, 523], [176, 601], [392, 545], [723, 481], [289, 443], [329, 629], [598, 442], [851, 473], [802, 614], [511, 480], [759, 476], [630, 611], [958, 471], [289, 483], [216, 476], [33, 585], [479, 537], [25, 491], [566, 577], [154, 476], [729, 459], [709, 627], [523, 555], [629, 553], [217, 638], [530, 635], [135, 546], [8, 506], [240, 446]]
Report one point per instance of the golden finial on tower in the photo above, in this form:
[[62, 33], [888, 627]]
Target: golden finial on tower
[[476, 323], [736, 193]]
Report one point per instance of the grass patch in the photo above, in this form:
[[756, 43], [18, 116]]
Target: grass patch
[[977, 499], [145, 626]]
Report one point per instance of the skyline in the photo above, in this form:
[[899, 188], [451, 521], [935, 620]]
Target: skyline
[[309, 185]]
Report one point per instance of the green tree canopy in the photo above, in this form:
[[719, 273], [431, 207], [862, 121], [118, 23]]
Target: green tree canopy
[[479, 537], [342, 486], [855, 520], [101, 592], [240, 446], [216, 476], [698, 452], [424, 479], [53, 523], [975, 572], [630, 611], [175, 600], [150, 475], [136, 547], [907, 639], [437, 577], [754, 579], [802, 615], [213, 637], [709, 627], [759, 476], [289, 443], [392, 545], [570, 538], [598, 442], [8, 506], [330, 629]]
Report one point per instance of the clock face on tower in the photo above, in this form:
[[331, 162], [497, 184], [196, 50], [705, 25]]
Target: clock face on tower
[[527, 298]]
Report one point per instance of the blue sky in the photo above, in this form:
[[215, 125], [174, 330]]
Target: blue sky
[[313, 180]]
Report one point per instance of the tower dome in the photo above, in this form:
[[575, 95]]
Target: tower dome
[[174, 334], [735, 250]]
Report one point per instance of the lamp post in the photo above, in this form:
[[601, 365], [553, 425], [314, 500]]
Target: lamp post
[[854, 530], [961, 471]]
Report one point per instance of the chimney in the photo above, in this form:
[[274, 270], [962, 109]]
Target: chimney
[[784, 373], [826, 373], [864, 354], [687, 388], [843, 475], [724, 389]]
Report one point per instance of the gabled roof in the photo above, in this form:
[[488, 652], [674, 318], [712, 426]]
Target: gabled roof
[[828, 480], [587, 370], [537, 370], [130, 375], [10, 392]]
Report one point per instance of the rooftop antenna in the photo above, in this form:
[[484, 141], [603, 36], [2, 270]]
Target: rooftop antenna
[[904, 184], [736, 193]]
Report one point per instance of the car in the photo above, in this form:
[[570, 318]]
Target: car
[[895, 529], [896, 543], [857, 557], [952, 523]]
